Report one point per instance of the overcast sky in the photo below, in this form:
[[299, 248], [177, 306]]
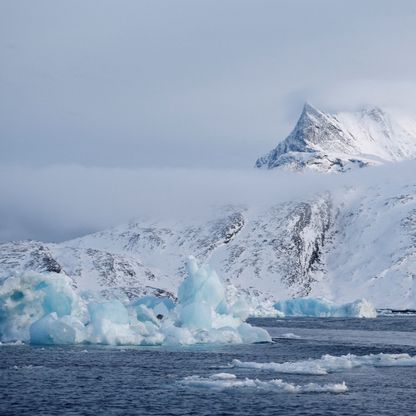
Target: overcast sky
[[188, 83], [184, 84]]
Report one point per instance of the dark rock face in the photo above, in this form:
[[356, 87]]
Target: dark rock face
[[310, 231], [409, 223], [28, 255], [285, 243], [135, 291], [43, 261], [222, 231], [148, 236]]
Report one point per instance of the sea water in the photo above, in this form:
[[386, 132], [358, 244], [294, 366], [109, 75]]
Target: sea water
[[91, 380]]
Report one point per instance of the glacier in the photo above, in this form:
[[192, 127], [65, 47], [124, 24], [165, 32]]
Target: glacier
[[323, 308], [46, 308]]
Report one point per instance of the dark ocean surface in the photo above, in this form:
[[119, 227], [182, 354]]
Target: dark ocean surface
[[95, 380]]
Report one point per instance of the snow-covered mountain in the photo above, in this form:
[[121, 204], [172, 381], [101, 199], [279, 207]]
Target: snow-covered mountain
[[355, 240], [343, 141], [342, 245], [272, 250]]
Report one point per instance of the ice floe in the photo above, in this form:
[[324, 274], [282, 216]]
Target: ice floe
[[289, 335], [222, 381], [331, 364]]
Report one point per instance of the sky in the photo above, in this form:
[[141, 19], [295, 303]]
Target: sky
[[173, 86]]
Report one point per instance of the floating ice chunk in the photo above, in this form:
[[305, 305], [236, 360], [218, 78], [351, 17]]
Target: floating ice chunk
[[108, 332], [300, 367], [27, 367], [160, 305], [144, 314], [331, 364], [174, 335], [29, 297], [112, 310], [324, 308], [109, 324], [240, 309], [289, 335], [51, 330], [151, 334], [196, 315], [56, 300], [225, 335], [46, 309], [12, 343], [225, 320], [202, 285], [224, 381], [251, 335], [246, 303], [265, 311], [203, 308]]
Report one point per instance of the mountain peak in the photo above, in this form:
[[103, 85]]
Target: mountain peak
[[342, 141], [308, 108]]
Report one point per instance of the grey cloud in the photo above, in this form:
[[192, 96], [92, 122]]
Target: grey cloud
[[61, 202]]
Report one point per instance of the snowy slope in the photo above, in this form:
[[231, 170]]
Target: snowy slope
[[347, 244], [373, 247], [269, 250], [343, 141], [273, 249], [91, 269]]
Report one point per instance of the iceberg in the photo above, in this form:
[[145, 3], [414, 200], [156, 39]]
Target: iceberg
[[204, 310], [322, 308], [47, 309], [27, 298], [159, 305], [51, 330], [251, 303]]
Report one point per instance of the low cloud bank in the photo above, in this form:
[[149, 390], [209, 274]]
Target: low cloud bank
[[61, 202]]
